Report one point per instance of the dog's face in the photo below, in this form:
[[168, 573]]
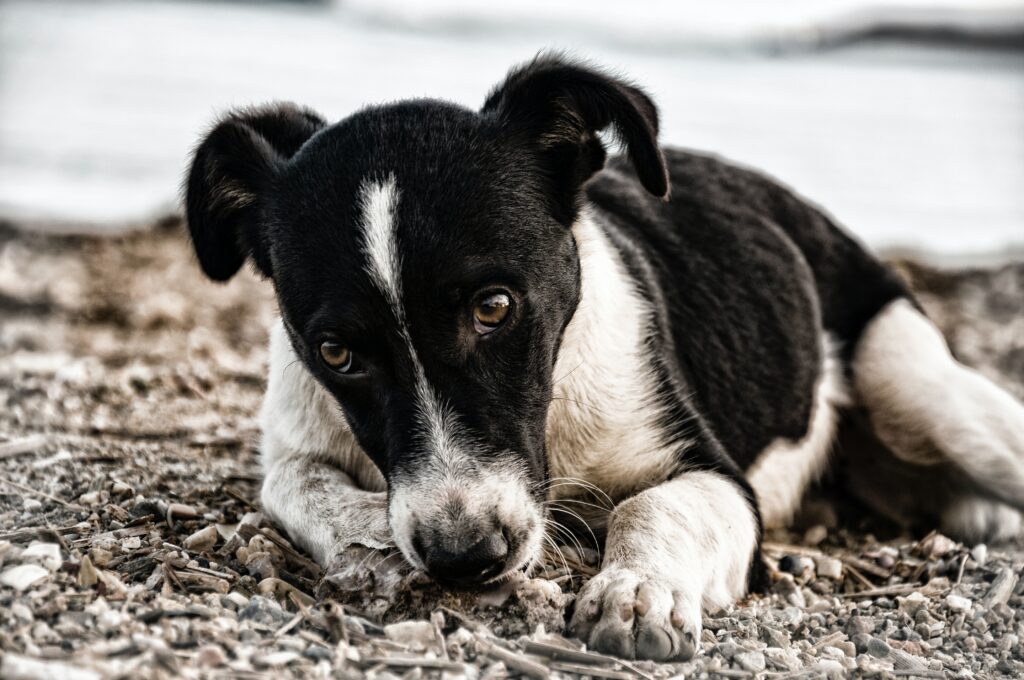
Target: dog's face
[[425, 269]]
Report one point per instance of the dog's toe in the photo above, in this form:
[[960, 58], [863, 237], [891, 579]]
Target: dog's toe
[[622, 613], [669, 624]]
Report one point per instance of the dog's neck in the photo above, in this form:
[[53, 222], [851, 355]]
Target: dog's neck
[[603, 409]]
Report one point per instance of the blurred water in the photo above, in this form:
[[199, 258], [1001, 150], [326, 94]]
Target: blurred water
[[101, 102]]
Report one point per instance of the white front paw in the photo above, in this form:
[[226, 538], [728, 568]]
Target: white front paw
[[632, 615]]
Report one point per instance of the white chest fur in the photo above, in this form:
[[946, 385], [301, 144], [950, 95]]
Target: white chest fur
[[601, 426]]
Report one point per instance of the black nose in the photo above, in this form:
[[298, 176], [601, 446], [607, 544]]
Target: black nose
[[447, 562]]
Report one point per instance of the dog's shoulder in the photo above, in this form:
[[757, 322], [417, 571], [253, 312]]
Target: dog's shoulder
[[734, 294]]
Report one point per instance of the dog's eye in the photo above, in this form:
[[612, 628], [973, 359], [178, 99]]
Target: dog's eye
[[490, 312], [337, 357]]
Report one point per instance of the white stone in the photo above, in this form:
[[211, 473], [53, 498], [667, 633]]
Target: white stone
[[828, 567], [418, 635], [202, 540], [815, 535], [750, 661], [958, 603], [131, 544], [18, 667], [276, 659], [46, 554], [912, 603], [23, 576], [830, 668]]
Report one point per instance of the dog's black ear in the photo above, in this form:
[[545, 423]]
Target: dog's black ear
[[232, 170], [559, 106]]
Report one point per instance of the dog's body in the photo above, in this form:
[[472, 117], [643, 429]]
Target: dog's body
[[670, 372]]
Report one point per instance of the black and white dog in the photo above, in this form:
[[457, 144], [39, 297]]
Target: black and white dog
[[480, 317]]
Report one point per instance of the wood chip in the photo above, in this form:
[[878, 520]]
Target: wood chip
[[41, 494], [23, 446], [517, 662], [416, 662]]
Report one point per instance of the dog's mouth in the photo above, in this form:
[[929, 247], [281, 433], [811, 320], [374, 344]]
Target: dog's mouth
[[488, 584]]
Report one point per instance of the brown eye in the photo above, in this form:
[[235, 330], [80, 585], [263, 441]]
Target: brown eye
[[337, 357], [490, 312]]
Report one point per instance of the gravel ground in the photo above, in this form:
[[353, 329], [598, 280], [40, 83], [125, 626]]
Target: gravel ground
[[131, 542]]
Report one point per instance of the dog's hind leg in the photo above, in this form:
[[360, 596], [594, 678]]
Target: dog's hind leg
[[929, 409]]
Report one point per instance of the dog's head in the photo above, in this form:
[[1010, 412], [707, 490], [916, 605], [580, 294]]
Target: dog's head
[[425, 269]]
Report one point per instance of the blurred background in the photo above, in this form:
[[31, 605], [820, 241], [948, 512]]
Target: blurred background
[[904, 120]]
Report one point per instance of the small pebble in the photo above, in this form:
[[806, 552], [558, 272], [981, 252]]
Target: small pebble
[[131, 544], [750, 661], [202, 540], [830, 668], [847, 647], [264, 611], [937, 545], [958, 603], [912, 603], [282, 658], [815, 534], [181, 511], [828, 567], [92, 498], [46, 554], [87, 575], [100, 556], [794, 564], [119, 488], [23, 576], [22, 612], [418, 635], [878, 648], [211, 656]]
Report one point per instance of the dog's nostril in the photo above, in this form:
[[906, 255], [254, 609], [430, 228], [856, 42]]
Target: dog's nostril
[[483, 560]]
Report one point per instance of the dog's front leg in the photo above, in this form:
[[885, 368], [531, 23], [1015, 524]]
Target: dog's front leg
[[322, 509], [316, 478], [672, 550]]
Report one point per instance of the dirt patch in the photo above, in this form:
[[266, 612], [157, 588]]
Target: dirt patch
[[131, 540]]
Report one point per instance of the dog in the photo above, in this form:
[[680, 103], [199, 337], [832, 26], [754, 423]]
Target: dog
[[484, 319]]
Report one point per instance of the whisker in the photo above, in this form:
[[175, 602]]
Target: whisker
[[561, 555], [593, 537], [565, 533], [569, 373], [556, 482], [579, 501], [582, 403]]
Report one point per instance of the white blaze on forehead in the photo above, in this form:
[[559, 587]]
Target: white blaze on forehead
[[379, 202]]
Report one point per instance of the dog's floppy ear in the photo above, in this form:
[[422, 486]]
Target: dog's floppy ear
[[231, 172], [560, 106]]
